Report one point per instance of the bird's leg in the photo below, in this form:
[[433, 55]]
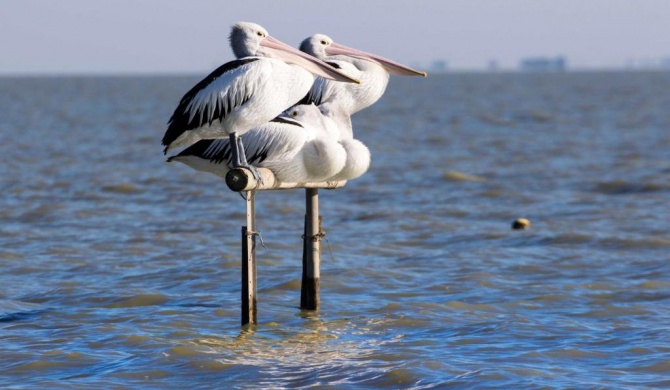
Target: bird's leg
[[239, 157], [234, 152]]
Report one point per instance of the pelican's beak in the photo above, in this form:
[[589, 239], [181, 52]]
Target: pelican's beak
[[314, 65], [390, 65]]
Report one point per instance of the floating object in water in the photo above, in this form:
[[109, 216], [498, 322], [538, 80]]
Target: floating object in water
[[460, 176], [521, 224]]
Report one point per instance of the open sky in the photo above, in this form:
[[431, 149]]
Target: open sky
[[171, 36]]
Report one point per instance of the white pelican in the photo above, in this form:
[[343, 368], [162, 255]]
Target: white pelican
[[372, 70], [298, 146], [267, 77]]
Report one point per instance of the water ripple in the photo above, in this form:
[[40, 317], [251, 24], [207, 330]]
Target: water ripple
[[122, 271]]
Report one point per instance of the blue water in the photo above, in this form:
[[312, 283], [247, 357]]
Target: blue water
[[121, 270]]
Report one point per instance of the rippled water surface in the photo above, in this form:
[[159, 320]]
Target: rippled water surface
[[121, 270]]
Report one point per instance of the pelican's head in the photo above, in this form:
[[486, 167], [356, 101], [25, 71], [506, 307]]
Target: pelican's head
[[246, 37], [322, 47], [316, 45], [308, 114]]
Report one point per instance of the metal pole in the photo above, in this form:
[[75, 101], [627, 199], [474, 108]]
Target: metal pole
[[311, 260], [249, 310]]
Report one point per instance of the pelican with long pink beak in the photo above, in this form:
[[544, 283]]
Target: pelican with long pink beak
[[371, 69]]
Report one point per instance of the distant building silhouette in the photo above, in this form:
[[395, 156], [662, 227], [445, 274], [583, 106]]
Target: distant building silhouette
[[543, 64], [438, 66]]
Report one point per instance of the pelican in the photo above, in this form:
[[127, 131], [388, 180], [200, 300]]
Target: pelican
[[338, 99], [298, 146], [267, 77], [372, 70]]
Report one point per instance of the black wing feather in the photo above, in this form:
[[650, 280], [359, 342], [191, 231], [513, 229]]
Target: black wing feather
[[217, 151], [203, 149], [181, 121]]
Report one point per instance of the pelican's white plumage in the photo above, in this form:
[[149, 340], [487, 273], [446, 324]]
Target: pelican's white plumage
[[267, 77], [357, 160], [298, 146]]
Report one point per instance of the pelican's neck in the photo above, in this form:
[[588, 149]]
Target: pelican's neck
[[340, 118], [374, 79]]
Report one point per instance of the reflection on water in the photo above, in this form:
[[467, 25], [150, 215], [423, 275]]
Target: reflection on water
[[120, 270]]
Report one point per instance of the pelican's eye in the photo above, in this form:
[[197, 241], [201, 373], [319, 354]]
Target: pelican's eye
[[260, 34], [294, 113], [324, 42]]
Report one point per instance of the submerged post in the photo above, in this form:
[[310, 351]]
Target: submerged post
[[311, 254], [249, 312], [242, 180]]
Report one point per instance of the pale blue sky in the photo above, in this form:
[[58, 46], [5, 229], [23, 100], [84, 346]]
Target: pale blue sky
[[165, 36]]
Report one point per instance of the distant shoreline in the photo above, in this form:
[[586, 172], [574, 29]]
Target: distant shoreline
[[430, 73]]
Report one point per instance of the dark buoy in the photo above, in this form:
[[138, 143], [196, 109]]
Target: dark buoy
[[521, 224]]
